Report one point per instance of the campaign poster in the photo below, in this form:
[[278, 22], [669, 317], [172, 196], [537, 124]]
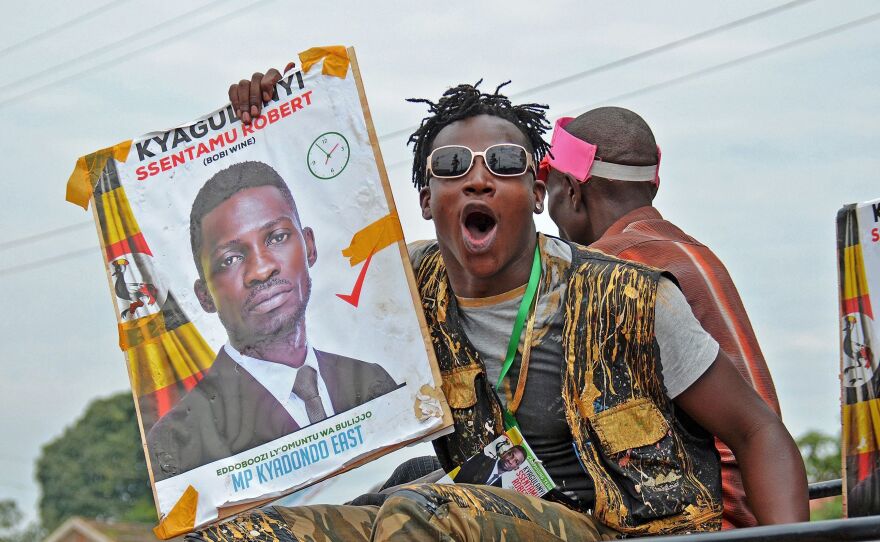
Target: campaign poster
[[858, 254], [265, 301], [507, 462]]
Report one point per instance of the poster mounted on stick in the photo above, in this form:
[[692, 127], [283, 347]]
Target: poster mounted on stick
[[858, 256], [264, 297]]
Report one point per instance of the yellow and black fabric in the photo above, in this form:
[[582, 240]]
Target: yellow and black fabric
[[167, 356]]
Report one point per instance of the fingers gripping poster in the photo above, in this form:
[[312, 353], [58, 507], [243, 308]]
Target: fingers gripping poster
[[265, 303]]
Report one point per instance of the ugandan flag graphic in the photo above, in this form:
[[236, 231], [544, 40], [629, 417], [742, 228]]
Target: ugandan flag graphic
[[166, 354], [859, 377]]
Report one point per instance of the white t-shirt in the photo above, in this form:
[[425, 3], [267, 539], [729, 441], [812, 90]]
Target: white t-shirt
[[686, 349]]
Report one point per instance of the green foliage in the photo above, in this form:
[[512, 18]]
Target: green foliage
[[10, 515], [10, 528], [821, 455], [833, 509], [96, 468]]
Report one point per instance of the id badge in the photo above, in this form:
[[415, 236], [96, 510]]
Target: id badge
[[507, 462]]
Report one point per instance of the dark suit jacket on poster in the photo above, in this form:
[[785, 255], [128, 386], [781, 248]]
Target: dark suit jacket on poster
[[229, 411], [477, 470]]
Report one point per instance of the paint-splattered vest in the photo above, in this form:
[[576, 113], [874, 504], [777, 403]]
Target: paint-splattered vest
[[651, 473]]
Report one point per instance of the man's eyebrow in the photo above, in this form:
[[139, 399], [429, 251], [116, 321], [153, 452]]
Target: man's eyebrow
[[267, 226], [227, 245], [272, 223]]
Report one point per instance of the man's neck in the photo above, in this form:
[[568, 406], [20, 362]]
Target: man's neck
[[603, 217], [513, 275], [290, 349], [646, 212]]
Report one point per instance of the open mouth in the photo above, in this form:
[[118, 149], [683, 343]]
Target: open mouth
[[479, 227]]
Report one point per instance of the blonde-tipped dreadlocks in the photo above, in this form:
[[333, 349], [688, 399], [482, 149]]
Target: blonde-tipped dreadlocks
[[466, 101]]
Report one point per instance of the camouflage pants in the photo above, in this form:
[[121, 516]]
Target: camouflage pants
[[425, 512]]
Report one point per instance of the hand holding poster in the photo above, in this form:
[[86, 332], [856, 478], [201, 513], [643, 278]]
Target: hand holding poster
[[264, 296]]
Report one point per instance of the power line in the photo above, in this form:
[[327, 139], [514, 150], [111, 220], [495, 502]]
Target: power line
[[644, 90], [44, 235], [665, 47], [76, 20], [640, 55], [716, 68], [567, 79], [125, 56], [14, 458], [108, 47], [735, 62], [9, 485], [46, 261]]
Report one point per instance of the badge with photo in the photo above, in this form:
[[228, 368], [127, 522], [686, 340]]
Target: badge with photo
[[506, 462]]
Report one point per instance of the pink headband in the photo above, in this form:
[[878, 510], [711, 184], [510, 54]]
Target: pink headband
[[577, 158]]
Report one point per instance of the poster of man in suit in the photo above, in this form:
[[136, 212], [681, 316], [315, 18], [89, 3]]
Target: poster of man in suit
[[253, 257], [264, 297]]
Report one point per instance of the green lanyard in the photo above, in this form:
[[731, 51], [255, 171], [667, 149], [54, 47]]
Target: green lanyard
[[524, 307]]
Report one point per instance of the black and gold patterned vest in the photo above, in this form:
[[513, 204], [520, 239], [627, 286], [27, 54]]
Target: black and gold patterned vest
[[654, 471]]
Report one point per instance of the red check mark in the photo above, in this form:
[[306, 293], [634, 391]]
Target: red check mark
[[355, 295]]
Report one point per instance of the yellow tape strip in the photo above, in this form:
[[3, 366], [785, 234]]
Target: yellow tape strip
[[861, 427], [136, 332], [373, 238], [335, 60], [182, 518], [88, 168]]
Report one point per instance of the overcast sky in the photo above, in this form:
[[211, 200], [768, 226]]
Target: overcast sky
[[758, 155]]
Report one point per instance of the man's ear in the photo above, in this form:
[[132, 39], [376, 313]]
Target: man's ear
[[539, 189], [425, 202], [204, 296], [573, 192], [311, 249]]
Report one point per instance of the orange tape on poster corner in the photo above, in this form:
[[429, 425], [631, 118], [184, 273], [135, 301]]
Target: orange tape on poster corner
[[88, 168], [373, 238], [182, 518], [335, 60]]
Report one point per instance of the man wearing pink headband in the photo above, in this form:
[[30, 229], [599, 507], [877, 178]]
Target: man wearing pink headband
[[601, 180]]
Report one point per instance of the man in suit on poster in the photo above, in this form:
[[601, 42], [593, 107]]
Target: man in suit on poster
[[486, 469], [253, 257]]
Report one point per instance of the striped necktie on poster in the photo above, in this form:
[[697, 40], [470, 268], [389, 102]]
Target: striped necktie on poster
[[306, 387]]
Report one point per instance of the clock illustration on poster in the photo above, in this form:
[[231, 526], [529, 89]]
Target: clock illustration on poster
[[328, 155]]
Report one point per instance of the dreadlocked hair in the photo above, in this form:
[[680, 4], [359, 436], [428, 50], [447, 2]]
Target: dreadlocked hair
[[466, 101]]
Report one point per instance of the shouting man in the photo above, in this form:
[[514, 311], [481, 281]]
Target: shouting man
[[611, 380]]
